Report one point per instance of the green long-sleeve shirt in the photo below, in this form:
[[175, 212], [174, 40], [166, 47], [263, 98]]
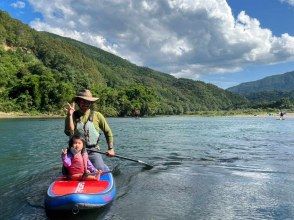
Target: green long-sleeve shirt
[[99, 121]]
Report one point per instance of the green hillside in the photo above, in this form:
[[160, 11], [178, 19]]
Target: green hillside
[[283, 82], [40, 72], [271, 92]]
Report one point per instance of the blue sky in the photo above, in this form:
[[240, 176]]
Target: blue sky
[[217, 41]]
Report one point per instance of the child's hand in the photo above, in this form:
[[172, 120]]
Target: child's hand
[[98, 172], [64, 151]]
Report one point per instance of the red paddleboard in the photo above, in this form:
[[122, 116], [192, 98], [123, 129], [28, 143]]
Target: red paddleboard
[[74, 195], [64, 187]]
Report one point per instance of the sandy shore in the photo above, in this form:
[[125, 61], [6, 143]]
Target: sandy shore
[[288, 115]]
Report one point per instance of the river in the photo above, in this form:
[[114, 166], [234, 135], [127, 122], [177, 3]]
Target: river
[[204, 167]]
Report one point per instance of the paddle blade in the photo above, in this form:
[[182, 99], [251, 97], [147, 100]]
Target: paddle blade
[[147, 166]]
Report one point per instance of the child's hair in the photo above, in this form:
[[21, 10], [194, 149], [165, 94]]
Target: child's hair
[[79, 137]]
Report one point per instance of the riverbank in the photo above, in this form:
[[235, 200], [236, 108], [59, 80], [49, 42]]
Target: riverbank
[[244, 113], [288, 115], [4, 115]]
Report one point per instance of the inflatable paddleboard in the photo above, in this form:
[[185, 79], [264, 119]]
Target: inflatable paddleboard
[[75, 195]]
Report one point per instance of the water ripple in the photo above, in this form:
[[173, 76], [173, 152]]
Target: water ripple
[[204, 168]]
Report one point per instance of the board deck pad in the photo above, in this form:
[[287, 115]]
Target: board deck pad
[[64, 187]]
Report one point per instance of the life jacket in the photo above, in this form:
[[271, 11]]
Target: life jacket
[[78, 164], [88, 130]]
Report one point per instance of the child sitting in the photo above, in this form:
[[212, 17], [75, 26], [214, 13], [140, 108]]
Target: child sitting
[[76, 162]]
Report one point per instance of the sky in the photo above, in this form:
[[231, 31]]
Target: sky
[[223, 42]]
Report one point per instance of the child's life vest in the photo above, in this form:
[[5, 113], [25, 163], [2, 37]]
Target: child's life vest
[[78, 164]]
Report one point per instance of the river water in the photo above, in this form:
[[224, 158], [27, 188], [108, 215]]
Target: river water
[[204, 168]]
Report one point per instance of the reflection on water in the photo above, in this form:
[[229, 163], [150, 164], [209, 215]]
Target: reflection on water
[[204, 168]]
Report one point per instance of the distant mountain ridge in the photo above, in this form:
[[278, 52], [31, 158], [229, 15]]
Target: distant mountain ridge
[[282, 82], [272, 92]]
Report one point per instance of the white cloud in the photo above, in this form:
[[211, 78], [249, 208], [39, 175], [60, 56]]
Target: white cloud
[[89, 38], [290, 2], [186, 38], [18, 4]]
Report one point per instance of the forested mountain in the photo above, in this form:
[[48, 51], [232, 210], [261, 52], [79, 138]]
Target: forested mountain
[[41, 72], [275, 91], [283, 82]]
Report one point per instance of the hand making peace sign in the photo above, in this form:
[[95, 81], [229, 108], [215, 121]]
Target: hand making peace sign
[[70, 108]]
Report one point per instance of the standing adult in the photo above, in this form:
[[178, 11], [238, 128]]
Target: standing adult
[[88, 122]]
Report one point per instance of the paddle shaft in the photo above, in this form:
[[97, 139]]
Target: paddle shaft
[[125, 158]]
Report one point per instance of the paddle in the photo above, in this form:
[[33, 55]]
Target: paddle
[[148, 166]]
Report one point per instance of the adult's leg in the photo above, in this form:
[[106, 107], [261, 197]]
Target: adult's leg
[[97, 161]]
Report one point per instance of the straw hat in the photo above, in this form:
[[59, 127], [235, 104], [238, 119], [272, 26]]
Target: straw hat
[[86, 95]]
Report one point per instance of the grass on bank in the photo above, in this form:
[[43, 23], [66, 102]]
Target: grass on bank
[[245, 112]]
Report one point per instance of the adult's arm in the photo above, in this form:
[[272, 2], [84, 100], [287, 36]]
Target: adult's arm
[[103, 125], [69, 121], [69, 126]]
